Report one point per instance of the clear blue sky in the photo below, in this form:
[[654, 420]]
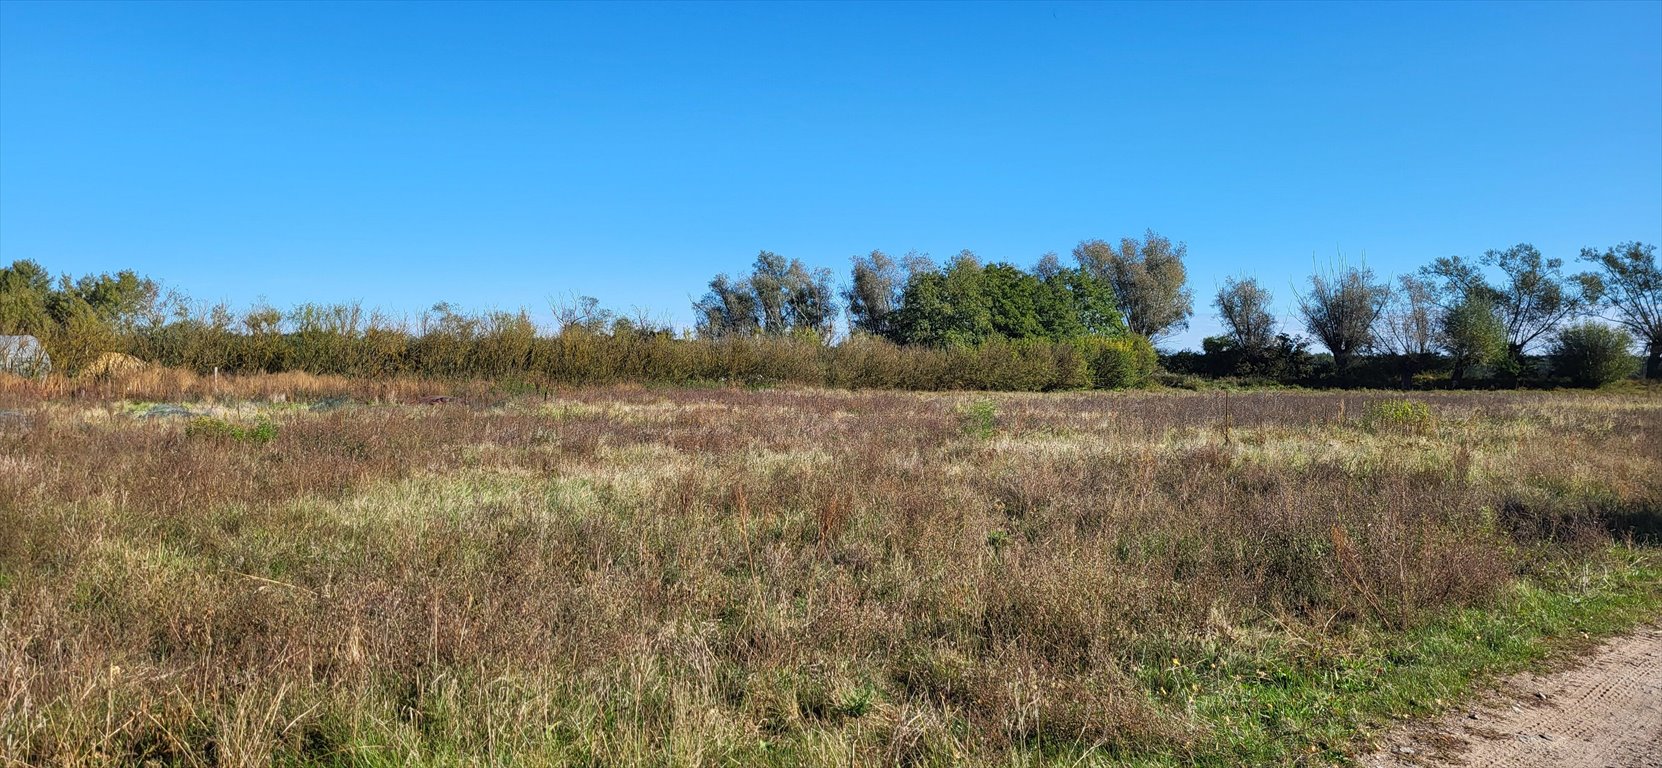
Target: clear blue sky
[[499, 155]]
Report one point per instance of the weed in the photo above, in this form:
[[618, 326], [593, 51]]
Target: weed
[[262, 432], [980, 419], [1398, 415]]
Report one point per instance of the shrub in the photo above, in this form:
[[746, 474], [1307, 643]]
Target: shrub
[[1119, 362], [1397, 415], [1591, 354]]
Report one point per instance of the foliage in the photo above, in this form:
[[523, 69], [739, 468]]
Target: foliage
[[1532, 299], [1397, 415], [1472, 334], [967, 303], [1285, 359], [873, 296], [1119, 362], [1148, 280], [1592, 354], [262, 432], [1244, 307], [1632, 294], [778, 298]]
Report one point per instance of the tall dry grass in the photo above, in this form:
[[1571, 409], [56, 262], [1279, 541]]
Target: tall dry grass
[[636, 576]]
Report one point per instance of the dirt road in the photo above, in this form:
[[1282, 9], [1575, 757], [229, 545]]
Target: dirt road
[[1604, 713]]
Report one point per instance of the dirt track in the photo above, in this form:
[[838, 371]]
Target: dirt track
[[1604, 713]]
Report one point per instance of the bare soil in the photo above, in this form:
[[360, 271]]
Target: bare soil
[[1605, 712]]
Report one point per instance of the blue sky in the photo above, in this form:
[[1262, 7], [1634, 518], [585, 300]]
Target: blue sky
[[496, 156]]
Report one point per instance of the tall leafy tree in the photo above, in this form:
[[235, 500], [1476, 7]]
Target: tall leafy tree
[[1632, 295], [810, 303], [24, 288], [768, 281], [122, 300], [1149, 281], [1013, 301], [1075, 303], [1408, 329], [729, 309], [945, 307]]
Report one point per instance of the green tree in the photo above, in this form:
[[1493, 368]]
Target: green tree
[[729, 309], [778, 298], [1148, 278], [1077, 302], [24, 287], [1012, 301], [1632, 286], [1408, 329], [947, 307], [1592, 354], [1532, 298], [1472, 334]]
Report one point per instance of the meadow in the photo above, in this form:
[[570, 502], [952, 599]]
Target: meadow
[[300, 570]]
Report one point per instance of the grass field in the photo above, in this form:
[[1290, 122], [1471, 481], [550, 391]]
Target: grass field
[[635, 576]]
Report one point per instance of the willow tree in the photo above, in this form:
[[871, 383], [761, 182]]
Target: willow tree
[[1341, 311], [1244, 307], [1632, 295], [1149, 281]]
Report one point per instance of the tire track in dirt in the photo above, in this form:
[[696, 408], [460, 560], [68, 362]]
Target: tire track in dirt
[[1604, 713]]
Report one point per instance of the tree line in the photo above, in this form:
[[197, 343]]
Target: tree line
[[1505, 318], [1456, 316]]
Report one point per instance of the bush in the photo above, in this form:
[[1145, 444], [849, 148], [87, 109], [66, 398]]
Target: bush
[[1591, 354], [1119, 362], [1397, 415]]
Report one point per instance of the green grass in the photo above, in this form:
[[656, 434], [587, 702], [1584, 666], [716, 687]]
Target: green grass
[[1292, 702]]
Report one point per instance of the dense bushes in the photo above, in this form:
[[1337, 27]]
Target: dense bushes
[[509, 346], [1119, 362], [1592, 355]]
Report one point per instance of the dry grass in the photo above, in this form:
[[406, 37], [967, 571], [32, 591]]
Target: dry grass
[[700, 577]]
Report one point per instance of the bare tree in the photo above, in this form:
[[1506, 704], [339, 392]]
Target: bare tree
[[1244, 306], [1148, 279], [1632, 294], [1408, 328], [1342, 310], [1409, 325]]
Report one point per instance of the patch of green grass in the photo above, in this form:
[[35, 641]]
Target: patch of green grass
[[1293, 701], [1398, 415], [980, 419], [262, 432]]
